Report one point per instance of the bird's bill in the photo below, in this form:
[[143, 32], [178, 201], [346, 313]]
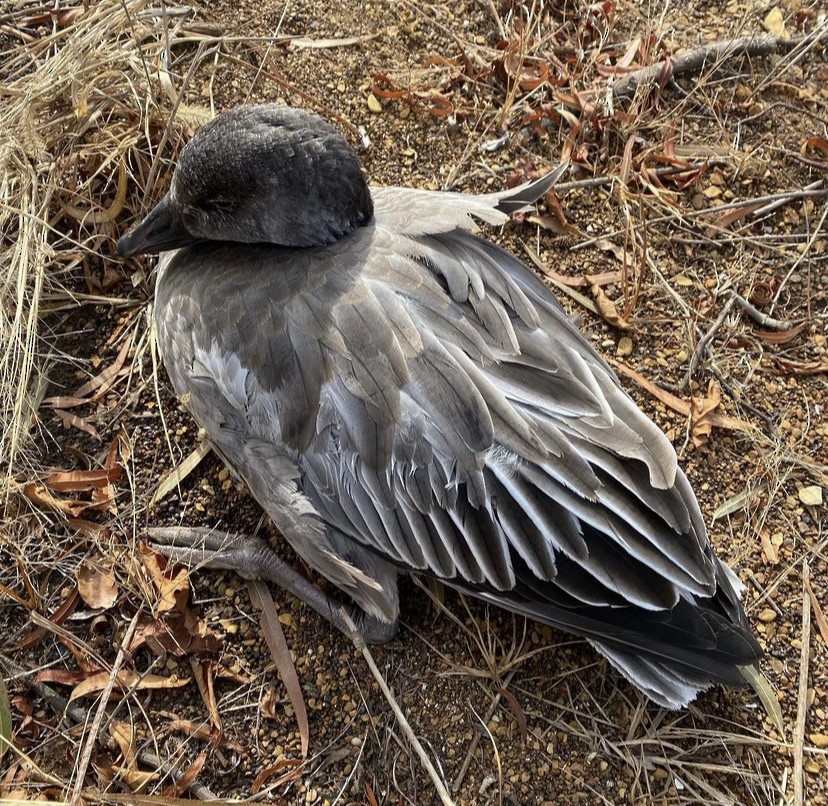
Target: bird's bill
[[160, 231]]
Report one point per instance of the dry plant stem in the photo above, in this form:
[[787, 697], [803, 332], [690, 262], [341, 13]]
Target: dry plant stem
[[86, 756], [764, 594], [802, 701], [360, 644], [59, 706], [702, 348], [759, 317], [695, 60], [737, 396]]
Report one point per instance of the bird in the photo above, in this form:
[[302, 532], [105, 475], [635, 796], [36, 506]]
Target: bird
[[402, 395]]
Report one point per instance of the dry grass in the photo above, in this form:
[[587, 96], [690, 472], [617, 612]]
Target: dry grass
[[95, 104]]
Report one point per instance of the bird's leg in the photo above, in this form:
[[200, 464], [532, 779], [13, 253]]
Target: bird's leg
[[252, 558]]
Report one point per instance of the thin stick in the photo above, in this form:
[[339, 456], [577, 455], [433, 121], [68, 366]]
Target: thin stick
[[86, 756], [702, 349], [802, 701], [759, 317], [693, 60], [359, 643]]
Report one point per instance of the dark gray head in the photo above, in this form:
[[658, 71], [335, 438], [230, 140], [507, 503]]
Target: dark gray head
[[258, 174]]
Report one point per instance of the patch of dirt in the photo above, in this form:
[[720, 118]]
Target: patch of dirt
[[511, 711]]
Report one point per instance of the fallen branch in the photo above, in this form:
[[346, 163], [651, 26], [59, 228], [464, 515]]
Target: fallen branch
[[694, 60]]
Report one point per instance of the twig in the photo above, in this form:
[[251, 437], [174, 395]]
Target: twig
[[759, 317], [701, 349], [86, 755], [359, 643], [802, 700], [693, 60], [764, 594]]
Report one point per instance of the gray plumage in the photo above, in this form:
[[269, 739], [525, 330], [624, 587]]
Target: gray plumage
[[402, 395]]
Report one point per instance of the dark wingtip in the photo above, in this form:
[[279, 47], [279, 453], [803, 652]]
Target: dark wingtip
[[528, 193]]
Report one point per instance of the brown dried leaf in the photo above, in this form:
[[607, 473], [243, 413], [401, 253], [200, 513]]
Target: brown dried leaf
[[125, 679], [65, 481], [295, 766], [63, 677], [96, 584], [788, 367], [701, 409], [728, 218], [173, 588], [101, 382], [608, 309], [770, 552], [780, 336], [58, 617], [275, 637], [205, 676], [182, 784], [676, 403], [518, 712], [41, 496], [72, 420]]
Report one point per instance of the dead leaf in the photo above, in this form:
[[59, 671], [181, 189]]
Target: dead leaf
[[72, 420], [731, 216], [41, 496], [96, 583], [676, 403], [780, 336], [788, 367], [701, 409], [65, 481], [774, 22], [618, 252], [295, 766], [173, 588], [125, 679], [608, 309], [180, 472], [104, 380], [58, 617], [518, 712], [182, 784], [275, 637], [205, 677], [770, 552]]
